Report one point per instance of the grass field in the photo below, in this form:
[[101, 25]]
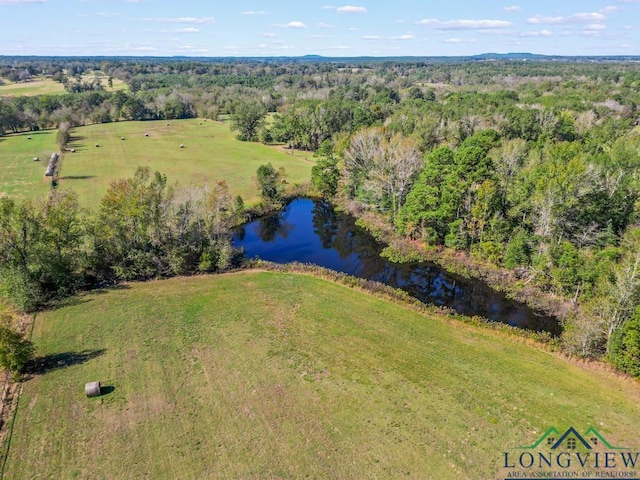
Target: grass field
[[302, 378], [20, 176], [211, 154], [41, 86]]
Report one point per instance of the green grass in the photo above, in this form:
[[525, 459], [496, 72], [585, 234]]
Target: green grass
[[211, 154], [268, 375], [38, 86], [42, 86], [20, 176]]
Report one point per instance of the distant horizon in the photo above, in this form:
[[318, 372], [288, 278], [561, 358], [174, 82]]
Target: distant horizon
[[516, 56], [366, 28]]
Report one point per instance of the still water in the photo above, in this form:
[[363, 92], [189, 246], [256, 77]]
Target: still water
[[310, 231]]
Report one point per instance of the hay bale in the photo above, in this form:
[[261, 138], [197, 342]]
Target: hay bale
[[167, 124], [73, 150], [146, 134], [200, 123], [181, 145], [97, 145], [36, 159], [29, 138], [122, 138], [92, 389]]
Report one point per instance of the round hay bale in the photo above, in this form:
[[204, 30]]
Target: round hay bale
[[73, 150], [29, 138], [181, 145], [92, 389], [97, 145], [36, 159], [167, 124], [146, 134], [200, 123], [122, 138]]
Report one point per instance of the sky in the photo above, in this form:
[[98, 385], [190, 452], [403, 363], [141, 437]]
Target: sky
[[214, 28]]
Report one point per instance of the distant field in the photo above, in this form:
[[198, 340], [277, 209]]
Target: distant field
[[20, 176], [261, 375], [31, 88], [41, 86], [211, 154]]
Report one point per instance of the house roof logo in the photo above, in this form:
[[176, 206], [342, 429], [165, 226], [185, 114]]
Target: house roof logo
[[571, 440]]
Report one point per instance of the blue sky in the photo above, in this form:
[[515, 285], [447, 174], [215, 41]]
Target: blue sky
[[292, 28]]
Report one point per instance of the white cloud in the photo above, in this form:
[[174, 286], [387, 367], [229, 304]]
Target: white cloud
[[144, 48], [460, 40], [294, 24], [351, 9], [352, 29], [269, 35], [407, 36], [371, 37], [541, 33], [190, 49], [512, 8], [15, 2], [329, 7], [182, 30], [595, 27], [251, 12], [317, 36], [324, 25], [575, 18], [464, 24], [192, 20], [609, 9]]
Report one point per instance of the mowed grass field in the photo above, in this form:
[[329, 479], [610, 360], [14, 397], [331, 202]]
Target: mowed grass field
[[20, 176], [38, 86], [211, 153], [42, 86], [258, 375]]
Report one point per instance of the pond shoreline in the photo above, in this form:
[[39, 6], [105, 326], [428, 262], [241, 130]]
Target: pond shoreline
[[509, 282], [312, 231]]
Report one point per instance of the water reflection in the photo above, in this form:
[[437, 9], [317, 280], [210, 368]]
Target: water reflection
[[310, 231]]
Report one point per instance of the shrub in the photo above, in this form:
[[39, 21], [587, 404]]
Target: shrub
[[15, 350], [624, 350]]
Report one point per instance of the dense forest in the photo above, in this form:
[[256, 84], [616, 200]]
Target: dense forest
[[527, 166]]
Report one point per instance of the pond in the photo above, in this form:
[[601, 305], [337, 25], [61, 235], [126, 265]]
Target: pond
[[311, 231]]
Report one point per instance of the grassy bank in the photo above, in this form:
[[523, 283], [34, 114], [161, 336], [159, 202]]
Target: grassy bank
[[302, 378]]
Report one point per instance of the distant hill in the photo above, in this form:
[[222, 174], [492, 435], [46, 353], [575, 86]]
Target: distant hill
[[483, 57]]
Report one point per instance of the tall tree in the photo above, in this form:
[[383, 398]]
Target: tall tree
[[247, 118]]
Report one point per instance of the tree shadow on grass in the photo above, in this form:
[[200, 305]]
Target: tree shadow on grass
[[77, 177], [57, 361], [83, 297]]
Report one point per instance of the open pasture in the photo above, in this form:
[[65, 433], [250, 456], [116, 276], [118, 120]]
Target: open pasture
[[210, 153], [300, 378]]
